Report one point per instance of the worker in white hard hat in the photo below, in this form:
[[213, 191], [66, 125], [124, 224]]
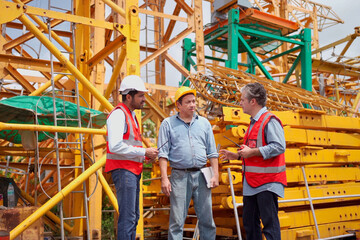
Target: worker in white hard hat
[[188, 142], [125, 154]]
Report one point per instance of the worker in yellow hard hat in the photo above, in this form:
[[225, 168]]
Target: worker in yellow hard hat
[[187, 142]]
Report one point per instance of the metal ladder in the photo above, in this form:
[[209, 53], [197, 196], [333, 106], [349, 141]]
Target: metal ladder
[[308, 199], [76, 144]]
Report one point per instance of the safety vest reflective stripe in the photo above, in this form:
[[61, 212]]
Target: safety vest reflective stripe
[[265, 169], [115, 156], [259, 142]]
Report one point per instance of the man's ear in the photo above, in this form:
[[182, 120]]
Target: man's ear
[[128, 98]]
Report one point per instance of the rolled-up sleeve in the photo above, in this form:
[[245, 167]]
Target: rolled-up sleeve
[[211, 151], [275, 138], [163, 137]]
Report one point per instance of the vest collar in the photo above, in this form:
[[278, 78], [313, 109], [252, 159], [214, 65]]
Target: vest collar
[[258, 115]]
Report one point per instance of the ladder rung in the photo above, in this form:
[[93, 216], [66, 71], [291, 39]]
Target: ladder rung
[[67, 167], [63, 73], [59, 8], [67, 119], [60, 95], [68, 142], [62, 51], [78, 191], [70, 218]]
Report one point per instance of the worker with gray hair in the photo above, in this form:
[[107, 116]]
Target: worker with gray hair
[[125, 154], [262, 155]]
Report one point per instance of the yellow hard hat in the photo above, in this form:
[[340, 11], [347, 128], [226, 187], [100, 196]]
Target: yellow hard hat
[[182, 91]]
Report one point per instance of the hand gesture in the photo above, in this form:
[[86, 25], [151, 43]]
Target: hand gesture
[[227, 155], [151, 153]]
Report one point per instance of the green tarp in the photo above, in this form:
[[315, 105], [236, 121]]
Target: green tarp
[[24, 109]]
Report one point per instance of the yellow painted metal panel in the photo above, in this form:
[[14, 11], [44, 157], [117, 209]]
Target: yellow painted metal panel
[[10, 11], [294, 135], [326, 230], [316, 191], [308, 155]]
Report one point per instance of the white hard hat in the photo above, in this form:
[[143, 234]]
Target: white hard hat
[[132, 82]]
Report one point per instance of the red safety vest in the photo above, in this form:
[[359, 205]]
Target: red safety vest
[[257, 170], [131, 137]]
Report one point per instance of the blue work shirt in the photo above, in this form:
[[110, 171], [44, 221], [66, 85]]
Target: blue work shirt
[[274, 135], [189, 145]]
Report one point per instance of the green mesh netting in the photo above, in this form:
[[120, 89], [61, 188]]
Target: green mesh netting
[[24, 109]]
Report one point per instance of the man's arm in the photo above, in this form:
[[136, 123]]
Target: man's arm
[[214, 181], [276, 142], [165, 183], [115, 127]]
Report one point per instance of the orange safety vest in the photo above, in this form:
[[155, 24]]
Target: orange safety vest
[[131, 137], [257, 170]]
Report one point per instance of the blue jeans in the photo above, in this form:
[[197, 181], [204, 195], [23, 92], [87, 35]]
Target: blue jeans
[[263, 205], [184, 187], [127, 186]]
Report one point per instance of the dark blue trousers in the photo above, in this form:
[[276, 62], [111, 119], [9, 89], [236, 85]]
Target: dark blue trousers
[[264, 206], [127, 186]]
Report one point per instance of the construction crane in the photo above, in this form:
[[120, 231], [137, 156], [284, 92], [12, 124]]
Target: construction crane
[[60, 53]]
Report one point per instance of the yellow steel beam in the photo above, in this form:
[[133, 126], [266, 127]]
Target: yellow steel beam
[[19, 78], [114, 76], [162, 15], [77, 74], [31, 64], [171, 24], [46, 128], [52, 190], [149, 101], [20, 151], [108, 191], [27, 36], [115, 7], [97, 76], [318, 155], [53, 34], [320, 138], [166, 46], [185, 7], [49, 214], [177, 65], [323, 216], [309, 119], [25, 166], [326, 230], [69, 17], [331, 45], [57, 198], [46, 85], [111, 47]]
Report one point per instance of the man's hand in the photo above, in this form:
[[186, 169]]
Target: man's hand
[[151, 153], [247, 152], [214, 181], [165, 186], [227, 155]]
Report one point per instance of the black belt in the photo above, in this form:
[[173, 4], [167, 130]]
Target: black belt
[[189, 169]]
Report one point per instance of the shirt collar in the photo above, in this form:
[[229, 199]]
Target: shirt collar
[[195, 116], [258, 115]]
